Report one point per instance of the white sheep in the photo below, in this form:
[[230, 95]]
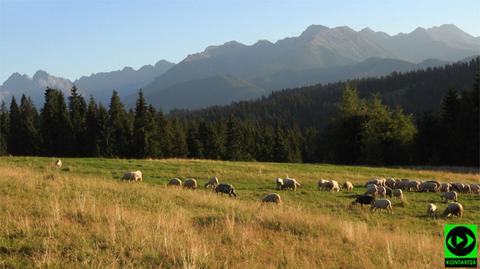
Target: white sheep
[[333, 186], [431, 210], [58, 163], [290, 183], [372, 189], [190, 183], [323, 184], [397, 193], [212, 182], [272, 198], [382, 204], [175, 182], [450, 195], [348, 186], [475, 188], [133, 176], [279, 183], [453, 209], [381, 191]]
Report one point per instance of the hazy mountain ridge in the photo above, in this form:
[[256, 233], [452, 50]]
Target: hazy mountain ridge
[[100, 85], [316, 54]]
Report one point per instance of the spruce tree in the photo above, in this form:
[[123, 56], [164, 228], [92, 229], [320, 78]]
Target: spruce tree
[[118, 144], [77, 112], [143, 142], [14, 143], [233, 141], [4, 129], [195, 147], [29, 128]]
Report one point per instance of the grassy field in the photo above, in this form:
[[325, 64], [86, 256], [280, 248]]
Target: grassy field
[[86, 217]]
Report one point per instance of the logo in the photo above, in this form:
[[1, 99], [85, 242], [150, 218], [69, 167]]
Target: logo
[[460, 245]]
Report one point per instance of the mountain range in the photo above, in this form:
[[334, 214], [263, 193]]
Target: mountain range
[[234, 71], [100, 85]]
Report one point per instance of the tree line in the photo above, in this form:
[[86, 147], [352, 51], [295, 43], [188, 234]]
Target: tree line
[[360, 130]]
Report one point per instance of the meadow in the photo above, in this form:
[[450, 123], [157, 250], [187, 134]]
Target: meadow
[[83, 216]]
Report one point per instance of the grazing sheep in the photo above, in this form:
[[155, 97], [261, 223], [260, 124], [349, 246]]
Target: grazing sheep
[[462, 188], [382, 204], [279, 183], [435, 182], [58, 163], [388, 192], [225, 188], [323, 184], [475, 188], [348, 186], [397, 193], [390, 182], [374, 181], [372, 189], [364, 200], [413, 185], [381, 191], [190, 183], [333, 186], [132, 176], [290, 183], [175, 182], [431, 210], [212, 182], [450, 195], [428, 187], [272, 198], [453, 209], [402, 184], [445, 187]]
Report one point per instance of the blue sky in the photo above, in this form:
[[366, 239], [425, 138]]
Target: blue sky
[[72, 38]]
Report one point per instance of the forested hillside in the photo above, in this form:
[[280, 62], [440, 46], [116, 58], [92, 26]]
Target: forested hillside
[[355, 122]]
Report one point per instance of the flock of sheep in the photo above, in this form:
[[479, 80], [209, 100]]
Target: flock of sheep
[[380, 188]]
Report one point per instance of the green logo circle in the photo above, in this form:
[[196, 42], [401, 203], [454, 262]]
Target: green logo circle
[[461, 241]]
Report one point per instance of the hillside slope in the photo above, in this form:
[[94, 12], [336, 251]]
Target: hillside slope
[[86, 217]]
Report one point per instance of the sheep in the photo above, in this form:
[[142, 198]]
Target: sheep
[[431, 210], [348, 186], [272, 198], [58, 163], [322, 184], [428, 187], [451, 195], [175, 182], [132, 176], [213, 182], [475, 188], [463, 188], [388, 192], [372, 189], [382, 204], [413, 184], [445, 187], [402, 184], [381, 191], [364, 200], [374, 181], [279, 183], [333, 186], [190, 183], [390, 182], [290, 183], [435, 182], [453, 209], [226, 188], [397, 193]]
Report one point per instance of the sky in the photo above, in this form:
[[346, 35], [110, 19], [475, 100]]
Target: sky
[[71, 38]]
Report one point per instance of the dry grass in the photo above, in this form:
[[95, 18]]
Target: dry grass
[[75, 220]]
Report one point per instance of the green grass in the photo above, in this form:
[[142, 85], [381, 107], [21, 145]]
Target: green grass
[[61, 210]]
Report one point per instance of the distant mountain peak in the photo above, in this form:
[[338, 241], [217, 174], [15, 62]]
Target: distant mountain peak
[[40, 74], [313, 30]]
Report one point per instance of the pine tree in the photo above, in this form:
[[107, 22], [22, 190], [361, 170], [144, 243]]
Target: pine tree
[[104, 133], [450, 116], [120, 129], [281, 146], [91, 129], [77, 112], [4, 129], [210, 139], [56, 128], [14, 144], [29, 132], [233, 141], [144, 144], [179, 141], [195, 147]]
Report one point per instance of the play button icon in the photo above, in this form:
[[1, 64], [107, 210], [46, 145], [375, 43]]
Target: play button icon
[[460, 241]]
